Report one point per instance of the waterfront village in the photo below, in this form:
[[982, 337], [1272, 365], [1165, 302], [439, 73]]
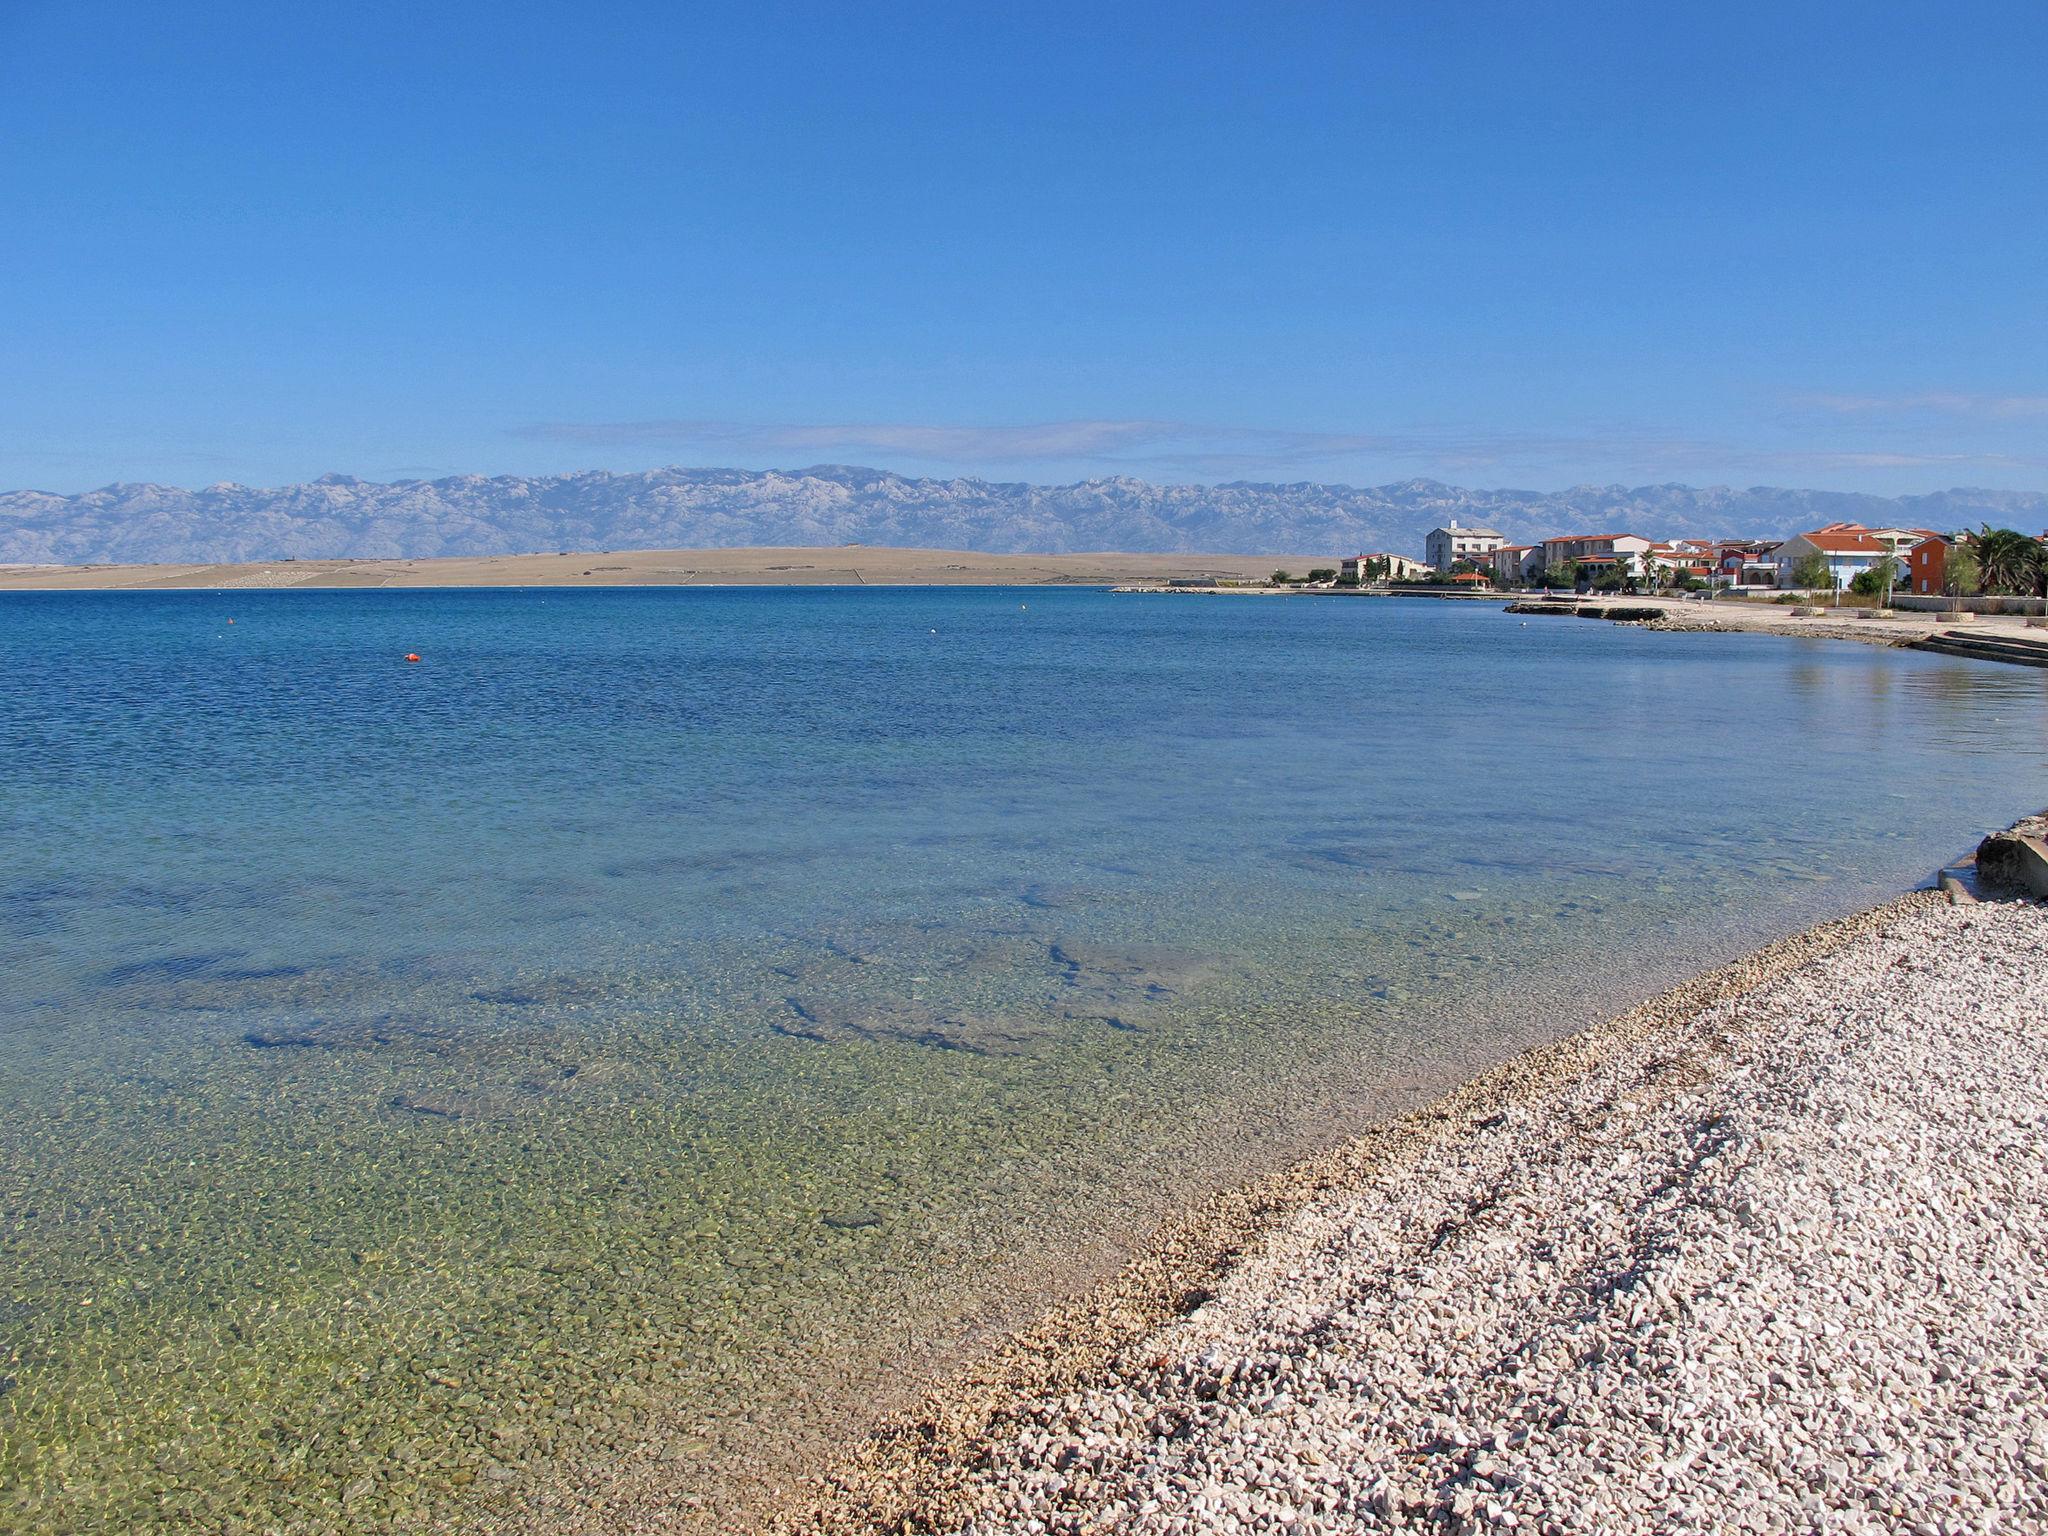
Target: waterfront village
[[1839, 558]]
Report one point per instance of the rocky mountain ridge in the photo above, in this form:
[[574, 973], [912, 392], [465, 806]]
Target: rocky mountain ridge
[[339, 516]]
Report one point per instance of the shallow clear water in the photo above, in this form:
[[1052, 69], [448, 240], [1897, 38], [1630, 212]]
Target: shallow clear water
[[604, 1050]]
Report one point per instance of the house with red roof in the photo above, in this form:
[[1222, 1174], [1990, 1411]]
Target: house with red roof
[[1514, 564], [1394, 567], [1745, 563], [1596, 551], [1849, 549], [1680, 557]]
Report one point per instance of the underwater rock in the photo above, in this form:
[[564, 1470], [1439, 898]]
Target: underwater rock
[[1341, 857], [912, 1023], [435, 1108], [164, 968], [1129, 1020], [1051, 896], [551, 1082], [537, 991], [279, 1040], [1140, 970], [486, 1081], [850, 1221], [380, 1032]]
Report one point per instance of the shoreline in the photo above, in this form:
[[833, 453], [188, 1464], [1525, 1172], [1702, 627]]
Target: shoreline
[[929, 1469], [755, 566], [1890, 628]]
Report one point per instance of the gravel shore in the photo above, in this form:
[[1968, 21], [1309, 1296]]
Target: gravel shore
[[1895, 626], [1768, 1254]]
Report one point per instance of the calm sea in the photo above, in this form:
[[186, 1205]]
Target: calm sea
[[599, 1053]]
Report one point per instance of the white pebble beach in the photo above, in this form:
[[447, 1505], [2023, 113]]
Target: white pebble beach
[[1769, 1254]]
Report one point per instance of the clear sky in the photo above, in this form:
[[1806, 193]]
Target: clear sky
[[1502, 244]]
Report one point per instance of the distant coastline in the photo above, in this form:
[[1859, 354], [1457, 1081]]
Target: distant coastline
[[837, 565]]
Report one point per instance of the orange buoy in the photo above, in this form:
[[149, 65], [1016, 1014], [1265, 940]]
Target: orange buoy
[[412, 655], [231, 621]]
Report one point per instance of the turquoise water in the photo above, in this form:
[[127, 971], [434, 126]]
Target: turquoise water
[[599, 1054]]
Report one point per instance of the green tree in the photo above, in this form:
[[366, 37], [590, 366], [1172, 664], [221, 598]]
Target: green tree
[[1323, 573], [2008, 562], [1282, 578], [1877, 581], [1814, 573], [1959, 574]]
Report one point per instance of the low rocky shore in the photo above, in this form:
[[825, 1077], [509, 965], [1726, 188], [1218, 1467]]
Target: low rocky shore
[[1867, 626], [1768, 1254]]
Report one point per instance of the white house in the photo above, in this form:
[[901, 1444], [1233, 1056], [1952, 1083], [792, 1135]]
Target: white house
[[1514, 564], [1445, 547], [1596, 549], [1395, 567], [1848, 550], [1897, 540]]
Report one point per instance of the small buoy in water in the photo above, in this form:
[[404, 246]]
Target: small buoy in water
[[231, 621], [412, 655], [935, 631]]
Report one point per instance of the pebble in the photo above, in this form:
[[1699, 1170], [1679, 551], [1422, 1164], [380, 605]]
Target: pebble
[[1778, 1263]]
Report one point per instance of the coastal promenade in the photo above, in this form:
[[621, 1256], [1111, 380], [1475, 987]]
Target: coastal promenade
[[1893, 626], [1769, 1253]]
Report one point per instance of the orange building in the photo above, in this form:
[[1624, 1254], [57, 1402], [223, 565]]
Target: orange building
[[1927, 566]]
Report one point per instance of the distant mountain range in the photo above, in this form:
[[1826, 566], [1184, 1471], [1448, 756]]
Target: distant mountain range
[[340, 516]]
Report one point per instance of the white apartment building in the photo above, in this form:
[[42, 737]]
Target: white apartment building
[[1445, 547]]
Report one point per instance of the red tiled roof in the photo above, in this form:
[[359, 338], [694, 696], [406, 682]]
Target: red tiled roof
[[1842, 542]]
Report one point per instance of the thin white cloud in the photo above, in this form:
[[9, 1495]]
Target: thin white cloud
[[1127, 441], [1935, 403], [1038, 440], [1156, 447]]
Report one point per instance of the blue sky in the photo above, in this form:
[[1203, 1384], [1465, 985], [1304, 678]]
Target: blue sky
[[1513, 244]]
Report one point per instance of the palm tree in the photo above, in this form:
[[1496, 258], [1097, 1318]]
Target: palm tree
[[2008, 562]]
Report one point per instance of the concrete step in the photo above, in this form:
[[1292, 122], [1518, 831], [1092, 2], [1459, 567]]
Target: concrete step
[[2012, 861], [2026, 653]]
